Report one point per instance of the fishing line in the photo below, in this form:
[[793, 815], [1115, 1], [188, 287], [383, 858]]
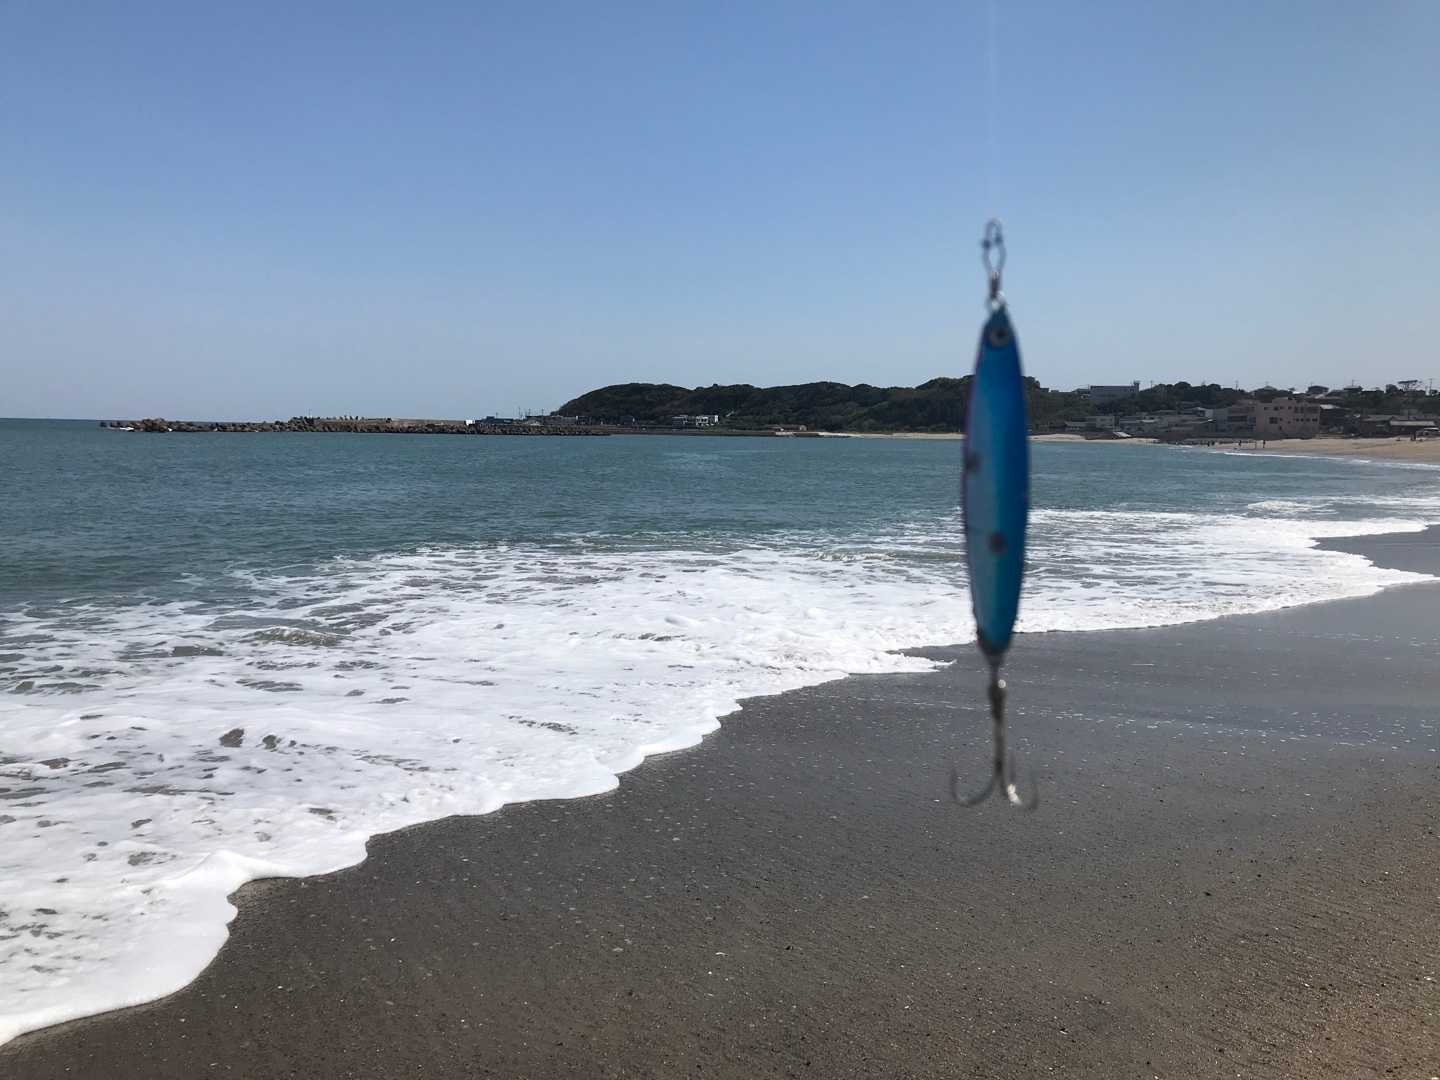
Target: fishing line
[[992, 99]]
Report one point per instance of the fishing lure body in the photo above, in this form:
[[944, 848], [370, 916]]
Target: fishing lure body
[[996, 501], [996, 484]]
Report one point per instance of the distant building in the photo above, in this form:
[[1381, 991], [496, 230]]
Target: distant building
[[1375, 423], [1099, 422], [1279, 418], [1385, 424], [1165, 424], [1411, 427], [704, 420], [1097, 394]]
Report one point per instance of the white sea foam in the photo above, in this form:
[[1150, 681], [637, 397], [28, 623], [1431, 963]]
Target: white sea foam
[[377, 693]]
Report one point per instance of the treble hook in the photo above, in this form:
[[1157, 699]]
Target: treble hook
[[1002, 777], [994, 240]]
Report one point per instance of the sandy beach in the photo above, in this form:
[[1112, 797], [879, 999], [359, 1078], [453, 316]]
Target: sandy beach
[[1053, 437], [926, 435], [1232, 873], [1392, 449]]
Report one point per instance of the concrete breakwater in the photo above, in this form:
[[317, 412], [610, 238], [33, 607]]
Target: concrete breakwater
[[387, 426], [362, 426]]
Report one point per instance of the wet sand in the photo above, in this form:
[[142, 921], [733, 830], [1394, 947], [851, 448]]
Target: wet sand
[[1234, 871]]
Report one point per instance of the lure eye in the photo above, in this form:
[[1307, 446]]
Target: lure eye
[[999, 336]]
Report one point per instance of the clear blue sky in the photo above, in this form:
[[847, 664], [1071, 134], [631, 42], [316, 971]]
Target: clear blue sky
[[448, 209]]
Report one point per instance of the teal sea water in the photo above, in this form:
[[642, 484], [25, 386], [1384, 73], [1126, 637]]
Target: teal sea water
[[226, 656], [90, 510]]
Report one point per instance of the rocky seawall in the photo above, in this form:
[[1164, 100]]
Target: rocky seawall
[[382, 426], [362, 427]]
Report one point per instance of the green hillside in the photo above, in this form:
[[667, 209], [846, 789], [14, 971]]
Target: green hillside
[[937, 405]]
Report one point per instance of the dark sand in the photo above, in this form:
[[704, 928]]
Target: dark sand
[[1234, 873]]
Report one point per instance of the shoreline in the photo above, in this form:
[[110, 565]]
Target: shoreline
[[1049, 437], [816, 820], [1385, 449]]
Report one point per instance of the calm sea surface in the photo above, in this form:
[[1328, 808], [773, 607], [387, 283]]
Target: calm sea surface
[[225, 656]]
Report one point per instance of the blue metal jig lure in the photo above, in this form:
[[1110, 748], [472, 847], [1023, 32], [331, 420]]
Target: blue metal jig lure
[[996, 499]]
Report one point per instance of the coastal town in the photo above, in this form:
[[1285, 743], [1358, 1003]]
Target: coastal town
[[1270, 414]]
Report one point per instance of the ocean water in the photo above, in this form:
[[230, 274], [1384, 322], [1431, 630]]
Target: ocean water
[[232, 656]]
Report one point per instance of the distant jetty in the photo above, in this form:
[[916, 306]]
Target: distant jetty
[[355, 425], [371, 425]]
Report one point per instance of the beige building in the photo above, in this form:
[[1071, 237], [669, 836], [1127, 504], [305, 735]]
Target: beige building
[[1283, 417]]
